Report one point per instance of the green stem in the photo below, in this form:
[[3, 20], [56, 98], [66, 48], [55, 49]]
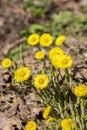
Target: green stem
[[73, 114], [68, 77], [61, 110], [82, 112], [21, 55]]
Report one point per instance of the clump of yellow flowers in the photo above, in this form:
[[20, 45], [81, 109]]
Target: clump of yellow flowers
[[63, 98]]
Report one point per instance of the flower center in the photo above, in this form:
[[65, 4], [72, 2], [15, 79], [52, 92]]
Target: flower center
[[33, 39], [41, 81], [31, 125], [46, 40], [65, 61], [22, 73], [6, 62]]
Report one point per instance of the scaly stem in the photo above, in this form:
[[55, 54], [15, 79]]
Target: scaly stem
[[68, 77], [73, 114], [21, 55], [82, 113]]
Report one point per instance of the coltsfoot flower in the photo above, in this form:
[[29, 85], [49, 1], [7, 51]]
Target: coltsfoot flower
[[80, 91], [67, 124], [6, 63], [60, 40], [50, 119], [33, 39], [46, 40], [41, 81], [63, 61], [31, 125], [39, 55], [47, 111], [22, 74], [55, 51]]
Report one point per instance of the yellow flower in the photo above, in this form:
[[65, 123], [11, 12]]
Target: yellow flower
[[55, 51], [39, 55], [6, 63], [80, 91], [46, 40], [50, 119], [41, 81], [63, 61], [67, 124], [31, 125], [33, 39], [47, 111], [60, 40], [22, 74]]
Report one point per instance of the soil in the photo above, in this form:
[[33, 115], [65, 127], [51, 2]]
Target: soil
[[16, 109]]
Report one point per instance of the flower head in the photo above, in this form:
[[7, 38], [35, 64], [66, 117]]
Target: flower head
[[6, 63], [46, 40], [39, 55], [41, 81], [46, 111], [60, 40], [63, 61], [55, 51], [33, 39], [50, 119], [67, 124], [31, 125], [22, 74], [80, 91]]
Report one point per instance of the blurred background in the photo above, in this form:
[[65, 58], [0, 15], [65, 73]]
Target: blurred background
[[19, 18]]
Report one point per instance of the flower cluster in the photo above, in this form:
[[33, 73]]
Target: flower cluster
[[45, 40], [53, 85]]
